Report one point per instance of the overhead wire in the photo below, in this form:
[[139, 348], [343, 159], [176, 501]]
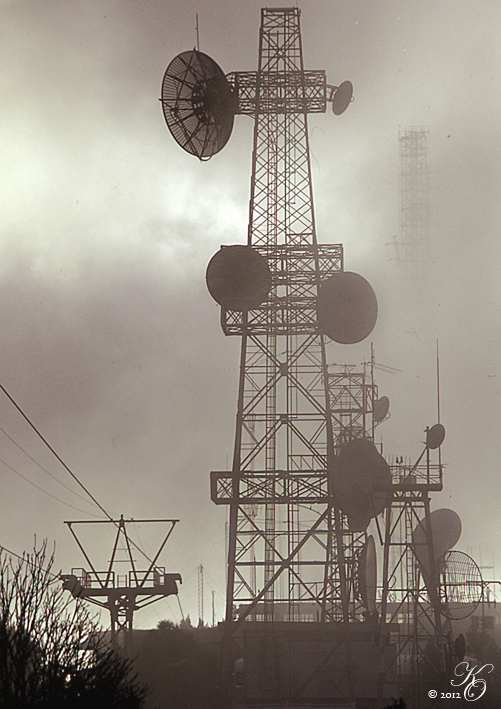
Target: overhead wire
[[98, 504], [41, 466], [26, 560], [66, 467], [45, 491]]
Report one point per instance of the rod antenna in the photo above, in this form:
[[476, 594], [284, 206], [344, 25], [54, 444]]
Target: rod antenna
[[438, 406], [438, 386]]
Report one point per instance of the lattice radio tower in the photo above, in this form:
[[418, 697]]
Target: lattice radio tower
[[284, 294], [301, 624], [413, 244]]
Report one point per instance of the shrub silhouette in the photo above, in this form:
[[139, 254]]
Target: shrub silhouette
[[52, 653]]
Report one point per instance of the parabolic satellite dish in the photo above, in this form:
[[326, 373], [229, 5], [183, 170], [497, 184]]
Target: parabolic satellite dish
[[346, 307], [198, 103], [238, 278], [342, 97], [380, 409], [435, 436], [367, 574], [445, 532], [361, 482]]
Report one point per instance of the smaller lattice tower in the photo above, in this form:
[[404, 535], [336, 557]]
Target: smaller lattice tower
[[412, 246]]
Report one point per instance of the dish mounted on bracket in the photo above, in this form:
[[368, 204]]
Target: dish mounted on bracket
[[346, 307], [435, 436], [238, 278], [444, 533], [462, 586], [360, 481], [380, 409], [198, 103], [342, 98]]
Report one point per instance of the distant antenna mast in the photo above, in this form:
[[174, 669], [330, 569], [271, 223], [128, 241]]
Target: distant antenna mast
[[201, 594], [412, 246], [438, 386], [438, 404], [198, 36]]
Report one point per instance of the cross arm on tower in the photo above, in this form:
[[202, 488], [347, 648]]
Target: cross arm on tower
[[281, 91]]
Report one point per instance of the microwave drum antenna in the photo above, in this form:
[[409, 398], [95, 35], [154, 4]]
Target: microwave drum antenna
[[360, 480], [367, 574], [445, 530], [198, 103]]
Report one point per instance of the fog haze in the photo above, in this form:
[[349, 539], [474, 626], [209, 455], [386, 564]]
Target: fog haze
[[110, 341]]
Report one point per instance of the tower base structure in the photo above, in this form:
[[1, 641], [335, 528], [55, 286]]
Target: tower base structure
[[304, 665]]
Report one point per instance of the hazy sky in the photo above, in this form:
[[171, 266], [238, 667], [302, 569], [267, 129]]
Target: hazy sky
[[110, 342]]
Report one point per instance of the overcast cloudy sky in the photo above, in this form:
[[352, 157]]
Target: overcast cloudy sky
[[110, 342]]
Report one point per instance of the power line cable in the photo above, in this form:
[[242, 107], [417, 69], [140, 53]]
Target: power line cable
[[41, 466], [44, 440], [54, 452], [27, 561], [45, 491]]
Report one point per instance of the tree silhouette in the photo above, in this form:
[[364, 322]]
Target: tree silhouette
[[52, 653]]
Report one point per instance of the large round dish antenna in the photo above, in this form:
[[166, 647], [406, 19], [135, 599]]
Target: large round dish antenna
[[367, 574], [445, 532], [361, 482], [342, 98], [462, 586], [198, 103], [238, 278], [346, 307]]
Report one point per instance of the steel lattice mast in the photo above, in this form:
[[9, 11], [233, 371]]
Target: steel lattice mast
[[283, 434], [304, 623], [286, 539], [413, 245]]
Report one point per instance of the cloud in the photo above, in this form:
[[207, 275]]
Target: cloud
[[109, 340]]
